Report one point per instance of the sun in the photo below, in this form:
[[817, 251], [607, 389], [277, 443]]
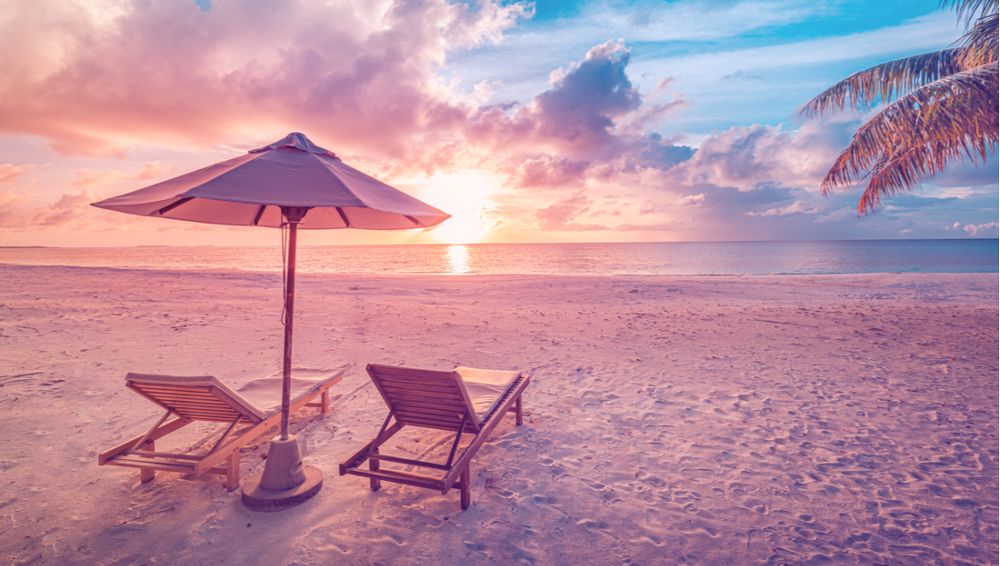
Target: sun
[[468, 198]]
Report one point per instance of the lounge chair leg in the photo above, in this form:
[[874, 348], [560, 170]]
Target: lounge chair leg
[[233, 470], [376, 484], [146, 475], [466, 490], [324, 402], [519, 412]]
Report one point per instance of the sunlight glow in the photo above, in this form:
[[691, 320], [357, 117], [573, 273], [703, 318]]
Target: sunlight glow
[[468, 198], [458, 259]]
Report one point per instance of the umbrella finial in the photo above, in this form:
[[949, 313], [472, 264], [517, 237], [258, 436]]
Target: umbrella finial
[[299, 141]]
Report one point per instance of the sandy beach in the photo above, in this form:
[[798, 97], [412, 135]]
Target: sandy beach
[[689, 420]]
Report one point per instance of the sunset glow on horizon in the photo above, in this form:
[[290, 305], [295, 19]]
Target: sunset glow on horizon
[[591, 121]]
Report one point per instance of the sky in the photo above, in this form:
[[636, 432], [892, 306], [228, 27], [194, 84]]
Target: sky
[[540, 121]]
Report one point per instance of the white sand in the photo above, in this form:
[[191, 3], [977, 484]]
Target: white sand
[[671, 419]]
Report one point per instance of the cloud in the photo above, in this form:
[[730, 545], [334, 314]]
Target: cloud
[[585, 116], [583, 105], [69, 207], [152, 170], [986, 230], [559, 216], [17, 212], [9, 173], [745, 157], [596, 147], [92, 178], [360, 75], [13, 209], [547, 171], [797, 207], [692, 200]]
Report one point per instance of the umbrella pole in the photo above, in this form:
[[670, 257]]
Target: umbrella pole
[[286, 367], [285, 482]]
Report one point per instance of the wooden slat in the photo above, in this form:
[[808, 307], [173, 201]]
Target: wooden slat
[[423, 410], [443, 380], [148, 454], [138, 462], [180, 395], [158, 389], [444, 391], [451, 424], [205, 411], [162, 466], [407, 373], [453, 405], [420, 397], [181, 400], [409, 462], [427, 421], [428, 398], [415, 480]]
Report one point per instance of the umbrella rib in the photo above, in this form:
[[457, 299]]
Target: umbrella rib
[[343, 216], [260, 212], [412, 219], [173, 205]]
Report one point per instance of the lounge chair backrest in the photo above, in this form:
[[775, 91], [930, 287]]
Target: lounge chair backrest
[[433, 399], [200, 398]]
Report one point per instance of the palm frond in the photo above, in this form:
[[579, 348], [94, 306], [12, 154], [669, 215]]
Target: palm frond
[[953, 118], [969, 10], [980, 43], [885, 82]]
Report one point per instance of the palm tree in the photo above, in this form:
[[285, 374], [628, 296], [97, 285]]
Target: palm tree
[[939, 108]]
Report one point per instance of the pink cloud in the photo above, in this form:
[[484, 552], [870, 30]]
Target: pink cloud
[[152, 170], [560, 216], [589, 114], [14, 210], [986, 230], [9, 173], [359, 76], [747, 156], [91, 178], [796, 207], [546, 171], [17, 212], [69, 207]]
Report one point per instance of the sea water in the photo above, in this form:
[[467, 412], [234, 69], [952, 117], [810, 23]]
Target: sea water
[[675, 258]]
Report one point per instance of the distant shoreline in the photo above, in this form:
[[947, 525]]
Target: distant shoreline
[[484, 244]]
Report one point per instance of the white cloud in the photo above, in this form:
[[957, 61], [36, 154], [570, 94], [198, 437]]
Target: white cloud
[[980, 229], [797, 207]]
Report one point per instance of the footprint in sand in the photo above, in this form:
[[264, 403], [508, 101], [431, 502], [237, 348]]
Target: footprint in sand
[[757, 506]]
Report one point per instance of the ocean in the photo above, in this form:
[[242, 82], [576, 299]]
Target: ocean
[[675, 258]]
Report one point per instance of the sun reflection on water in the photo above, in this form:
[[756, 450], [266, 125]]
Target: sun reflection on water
[[458, 259]]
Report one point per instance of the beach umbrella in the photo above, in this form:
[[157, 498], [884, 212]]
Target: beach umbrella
[[292, 184]]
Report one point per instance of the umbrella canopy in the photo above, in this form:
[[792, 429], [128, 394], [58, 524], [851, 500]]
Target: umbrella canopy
[[291, 183], [250, 190]]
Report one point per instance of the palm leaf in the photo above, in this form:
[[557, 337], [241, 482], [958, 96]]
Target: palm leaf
[[969, 10], [980, 43], [953, 118], [885, 82]]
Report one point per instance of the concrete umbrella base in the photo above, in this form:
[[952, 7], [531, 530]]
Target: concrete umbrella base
[[285, 482]]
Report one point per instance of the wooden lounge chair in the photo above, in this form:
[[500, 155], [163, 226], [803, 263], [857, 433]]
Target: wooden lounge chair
[[464, 400], [250, 412]]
